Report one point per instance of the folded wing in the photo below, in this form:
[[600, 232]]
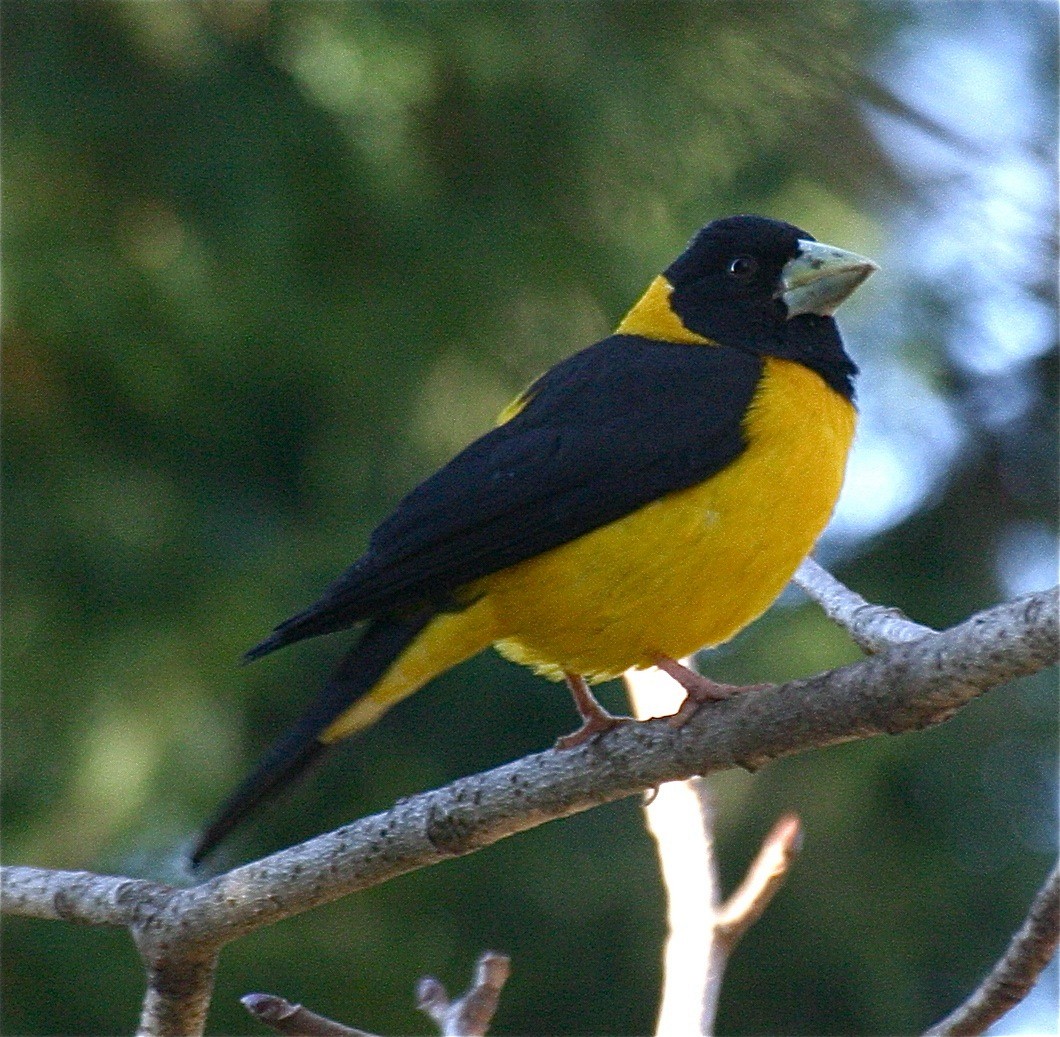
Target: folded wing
[[612, 428]]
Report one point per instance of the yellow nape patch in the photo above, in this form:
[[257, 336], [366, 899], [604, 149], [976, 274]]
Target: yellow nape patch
[[691, 569], [653, 317]]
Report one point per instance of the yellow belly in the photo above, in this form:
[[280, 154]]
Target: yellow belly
[[695, 567]]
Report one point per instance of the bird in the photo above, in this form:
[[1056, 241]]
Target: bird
[[645, 498]]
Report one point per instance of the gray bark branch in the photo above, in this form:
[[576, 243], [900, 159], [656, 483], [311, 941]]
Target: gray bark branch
[[871, 627], [471, 1014], [1011, 979], [281, 1015], [907, 686]]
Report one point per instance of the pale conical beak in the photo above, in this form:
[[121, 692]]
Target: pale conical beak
[[820, 277]]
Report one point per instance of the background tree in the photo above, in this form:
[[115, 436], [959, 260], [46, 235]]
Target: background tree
[[268, 264]]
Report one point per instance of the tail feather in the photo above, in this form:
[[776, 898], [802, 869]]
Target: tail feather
[[290, 758], [341, 606], [317, 619], [293, 754]]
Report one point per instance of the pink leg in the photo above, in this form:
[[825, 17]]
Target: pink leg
[[597, 719], [700, 689]]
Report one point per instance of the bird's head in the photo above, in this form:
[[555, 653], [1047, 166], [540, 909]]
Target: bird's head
[[754, 283]]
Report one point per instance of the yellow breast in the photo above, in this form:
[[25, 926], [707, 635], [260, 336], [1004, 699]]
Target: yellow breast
[[691, 569]]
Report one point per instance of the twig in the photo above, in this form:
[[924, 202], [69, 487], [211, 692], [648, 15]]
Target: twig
[[737, 914], [470, 1015], [872, 627], [77, 896], [760, 884], [179, 931], [1011, 979], [702, 930], [677, 816], [280, 1015]]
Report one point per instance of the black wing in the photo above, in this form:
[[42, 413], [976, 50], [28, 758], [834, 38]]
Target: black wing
[[604, 432]]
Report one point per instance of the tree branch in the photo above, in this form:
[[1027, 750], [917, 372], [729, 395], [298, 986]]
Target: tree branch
[[77, 896], [471, 1014], [702, 931], [280, 1015], [1012, 977], [467, 1016], [761, 882], [871, 627], [180, 977], [905, 687], [678, 817]]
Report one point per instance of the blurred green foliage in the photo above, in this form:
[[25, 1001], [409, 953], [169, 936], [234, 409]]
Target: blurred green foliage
[[266, 265]]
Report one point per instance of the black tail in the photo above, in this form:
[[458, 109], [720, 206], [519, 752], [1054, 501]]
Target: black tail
[[319, 618], [340, 607], [292, 755]]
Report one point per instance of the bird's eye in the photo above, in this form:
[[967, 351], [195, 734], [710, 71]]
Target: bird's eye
[[743, 268]]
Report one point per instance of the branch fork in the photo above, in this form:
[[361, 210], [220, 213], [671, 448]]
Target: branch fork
[[468, 1016]]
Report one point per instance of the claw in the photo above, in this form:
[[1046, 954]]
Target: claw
[[597, 719], [699, 689]]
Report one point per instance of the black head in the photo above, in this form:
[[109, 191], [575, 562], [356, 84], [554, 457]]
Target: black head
[[727, 282], [733, 284]]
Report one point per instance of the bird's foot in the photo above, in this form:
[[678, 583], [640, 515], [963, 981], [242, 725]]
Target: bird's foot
[[698, 688], [597, 719]]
